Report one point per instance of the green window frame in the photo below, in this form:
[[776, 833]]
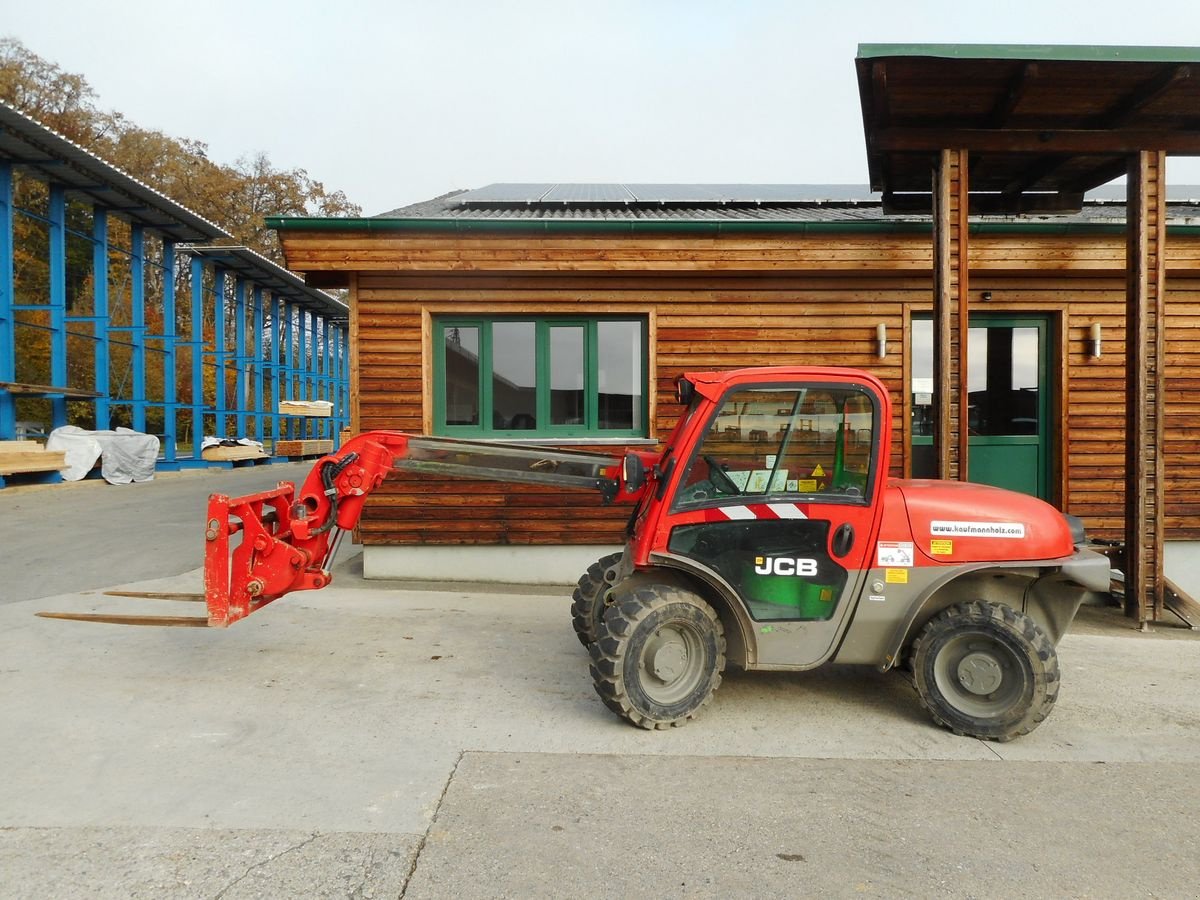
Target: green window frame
[[487, 419]]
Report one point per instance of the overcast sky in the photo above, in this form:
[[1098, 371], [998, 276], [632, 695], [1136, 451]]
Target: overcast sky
[[395, 102]]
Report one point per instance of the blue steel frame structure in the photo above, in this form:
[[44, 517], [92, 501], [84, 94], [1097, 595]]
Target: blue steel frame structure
[[168, 253]]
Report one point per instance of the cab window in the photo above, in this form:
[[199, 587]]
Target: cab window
[[768, 442]]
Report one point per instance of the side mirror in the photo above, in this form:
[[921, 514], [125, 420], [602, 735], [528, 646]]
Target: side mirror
[[633, 472]]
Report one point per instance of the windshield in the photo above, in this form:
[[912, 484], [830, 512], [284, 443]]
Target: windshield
[[777, 441]]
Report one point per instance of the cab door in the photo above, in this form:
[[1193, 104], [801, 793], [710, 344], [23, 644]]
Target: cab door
[[776, 504]]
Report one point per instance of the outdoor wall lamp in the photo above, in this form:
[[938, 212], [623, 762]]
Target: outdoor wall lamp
[[881, 340], [1094, 341]]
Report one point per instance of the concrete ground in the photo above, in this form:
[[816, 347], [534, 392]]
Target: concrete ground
[[382, 740]]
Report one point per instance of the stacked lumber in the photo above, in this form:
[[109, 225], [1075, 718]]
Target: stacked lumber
[[223, 453], [29, 456], [303, 448], [321, 408]]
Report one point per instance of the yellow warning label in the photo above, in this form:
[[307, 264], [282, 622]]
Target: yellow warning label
[[806, 485], [941, 548], [818, 472], [895, 576]]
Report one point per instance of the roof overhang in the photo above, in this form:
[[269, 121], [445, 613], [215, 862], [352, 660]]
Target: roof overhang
[[261, 271], [1042, 124], [31, 147]]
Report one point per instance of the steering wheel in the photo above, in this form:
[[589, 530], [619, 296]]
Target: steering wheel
[[719, 477]]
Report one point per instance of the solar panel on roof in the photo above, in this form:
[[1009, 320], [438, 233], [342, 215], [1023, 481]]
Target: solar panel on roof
[[589, 193], [505, 192], [574, 194]]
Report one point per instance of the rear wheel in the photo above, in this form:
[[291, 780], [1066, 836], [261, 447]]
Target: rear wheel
[[659, 656], [985, 670], [588, 601]]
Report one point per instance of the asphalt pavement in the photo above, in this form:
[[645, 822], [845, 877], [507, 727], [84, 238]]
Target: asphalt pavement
[[381, 740]]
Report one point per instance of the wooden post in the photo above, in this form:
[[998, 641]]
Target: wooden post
[[950, 314], [1144, 384]]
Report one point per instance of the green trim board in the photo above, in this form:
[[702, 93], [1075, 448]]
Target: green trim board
[[1035, 52], [541, 394]]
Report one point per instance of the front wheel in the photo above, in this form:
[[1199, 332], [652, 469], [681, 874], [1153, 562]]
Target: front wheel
[[591, 593], [985, 670], [659, 656]]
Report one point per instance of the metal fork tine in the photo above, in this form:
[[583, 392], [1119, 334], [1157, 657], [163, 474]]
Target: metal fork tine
[[166, 621], [155, 595]]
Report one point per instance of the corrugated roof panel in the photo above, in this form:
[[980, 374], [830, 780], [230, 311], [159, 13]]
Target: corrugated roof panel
[[32, 147]]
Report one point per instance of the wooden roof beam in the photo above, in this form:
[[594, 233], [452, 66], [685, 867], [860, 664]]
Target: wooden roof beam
[[1007, 103], [1073, 141], [1122, 111]]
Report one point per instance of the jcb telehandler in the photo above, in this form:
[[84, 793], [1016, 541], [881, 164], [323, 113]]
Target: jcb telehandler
[[765, 534]]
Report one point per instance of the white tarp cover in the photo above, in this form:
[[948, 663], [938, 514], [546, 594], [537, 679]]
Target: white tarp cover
[[124, 455]]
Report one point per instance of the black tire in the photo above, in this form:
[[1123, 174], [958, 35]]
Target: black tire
[[588, 601], [985, 670], [659, 656]]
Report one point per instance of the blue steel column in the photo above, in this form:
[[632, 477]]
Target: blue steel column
[[137, 332], [260, 359], [170, 396], [239, 355], [302, 367], [289, 354], [276, 365], [197, 355], [219, 350], [101, 313], [58, 301], [8, 348], [343, 383], [327, 372]]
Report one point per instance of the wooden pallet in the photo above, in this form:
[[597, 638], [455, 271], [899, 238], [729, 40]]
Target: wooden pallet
[[303, 448], [29, 456]]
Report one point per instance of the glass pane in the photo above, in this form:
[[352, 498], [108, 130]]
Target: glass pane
[[462, 375], [1002, 380], [567, 375], [514, 376], [620, 374], [922, 377], [809, 441]]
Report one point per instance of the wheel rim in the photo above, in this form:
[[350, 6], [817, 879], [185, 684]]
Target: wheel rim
[[980, 675], [672, 663]]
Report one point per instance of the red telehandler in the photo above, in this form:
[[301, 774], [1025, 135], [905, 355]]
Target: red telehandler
[[765, 534]]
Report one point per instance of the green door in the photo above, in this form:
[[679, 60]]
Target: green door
[[1008, 402]]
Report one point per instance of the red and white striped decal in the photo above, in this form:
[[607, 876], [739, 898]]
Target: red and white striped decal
[[756, 511]]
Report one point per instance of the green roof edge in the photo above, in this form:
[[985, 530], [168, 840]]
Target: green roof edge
[[1057, 52], [300, 223]]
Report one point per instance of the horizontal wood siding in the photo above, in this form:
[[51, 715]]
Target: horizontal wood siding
[[726, 302]]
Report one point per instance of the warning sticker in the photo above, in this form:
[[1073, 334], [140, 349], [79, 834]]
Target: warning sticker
[[894, 553], [806, 485], [941, 548], [977, 529], [818, 472], [896, 576]]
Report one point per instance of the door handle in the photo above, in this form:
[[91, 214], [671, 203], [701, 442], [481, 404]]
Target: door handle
[[843, 539]]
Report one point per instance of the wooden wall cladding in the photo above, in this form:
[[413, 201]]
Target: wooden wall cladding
[[719, 303]]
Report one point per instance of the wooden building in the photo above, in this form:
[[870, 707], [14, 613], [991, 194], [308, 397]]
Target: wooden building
[[563, 313], [637, 293]]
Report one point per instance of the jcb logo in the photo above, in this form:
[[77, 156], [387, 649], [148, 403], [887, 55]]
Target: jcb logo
[[785, 565]]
